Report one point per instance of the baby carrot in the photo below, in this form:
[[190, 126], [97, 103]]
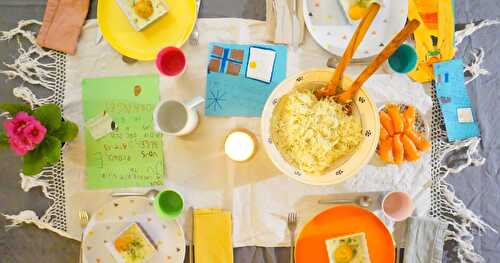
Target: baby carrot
[[385, 150], [397, 149], [397, 119], [386, 121], [419, 140], [383, 133], [411, 152]]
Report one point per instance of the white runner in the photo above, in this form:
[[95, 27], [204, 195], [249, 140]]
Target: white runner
[[258, 195]]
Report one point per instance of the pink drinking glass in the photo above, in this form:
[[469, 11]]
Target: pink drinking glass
[[171, 62], [397, 206]]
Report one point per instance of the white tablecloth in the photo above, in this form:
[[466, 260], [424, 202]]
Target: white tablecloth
[[258, 195]]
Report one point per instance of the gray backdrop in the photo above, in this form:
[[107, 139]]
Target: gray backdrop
[[479, 187]]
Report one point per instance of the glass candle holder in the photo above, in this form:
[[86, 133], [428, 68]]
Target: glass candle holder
[[240, 145]]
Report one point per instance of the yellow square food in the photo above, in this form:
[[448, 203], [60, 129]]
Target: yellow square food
[[142, 13], [348, 249], [133, 245]]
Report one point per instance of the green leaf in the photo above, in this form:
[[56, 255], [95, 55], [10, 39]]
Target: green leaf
[[14, 108], [33, 162], [4, 140], [49, 115], [50, 149], [67, 131]]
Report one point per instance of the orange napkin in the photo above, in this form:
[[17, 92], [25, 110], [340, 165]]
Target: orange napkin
[[62, 24]]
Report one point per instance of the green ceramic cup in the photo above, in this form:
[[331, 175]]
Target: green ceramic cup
[[168, 204], [404, 59]]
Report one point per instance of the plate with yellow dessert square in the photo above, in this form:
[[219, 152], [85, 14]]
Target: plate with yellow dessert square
[[139, 29], [333, 22], [345, 234], [127, 230]]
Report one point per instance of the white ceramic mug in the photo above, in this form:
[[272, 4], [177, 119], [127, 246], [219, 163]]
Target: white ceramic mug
[[177, 118], [397, 206]]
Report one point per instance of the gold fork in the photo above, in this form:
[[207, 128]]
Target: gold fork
[[292, 225], [84, 220]]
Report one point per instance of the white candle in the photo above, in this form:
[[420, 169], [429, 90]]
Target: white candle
[[239, 146]]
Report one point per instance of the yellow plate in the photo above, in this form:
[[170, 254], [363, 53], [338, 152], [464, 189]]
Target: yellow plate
[[341, 169], [173, 29]]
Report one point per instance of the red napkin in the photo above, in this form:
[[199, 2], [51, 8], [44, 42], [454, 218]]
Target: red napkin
[[62, 24]]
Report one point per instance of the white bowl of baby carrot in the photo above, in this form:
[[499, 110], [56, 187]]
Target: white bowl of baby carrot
[[404, 134]]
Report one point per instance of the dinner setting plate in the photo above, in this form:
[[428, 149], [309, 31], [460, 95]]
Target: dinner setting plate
[[330, 28], [114, 217], [340, 221], [172, 29], [343, 168]]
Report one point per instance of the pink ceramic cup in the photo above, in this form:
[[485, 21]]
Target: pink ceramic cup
[[397, 206], [171, 61]]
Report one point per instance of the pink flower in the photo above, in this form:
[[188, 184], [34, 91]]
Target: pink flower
[[24, 132], [17, 124], [35, 132], [21, 145]]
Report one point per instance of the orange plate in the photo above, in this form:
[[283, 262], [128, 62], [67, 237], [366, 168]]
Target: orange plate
[[343, 220]]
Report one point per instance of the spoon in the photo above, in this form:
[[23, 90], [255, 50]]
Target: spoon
[[362, 201], [151, 194]]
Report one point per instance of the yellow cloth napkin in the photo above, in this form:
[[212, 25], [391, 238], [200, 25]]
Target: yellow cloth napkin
[[213, 236], [443, 30]]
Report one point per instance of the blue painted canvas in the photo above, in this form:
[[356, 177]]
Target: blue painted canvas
[[454, 100], [240, 78]]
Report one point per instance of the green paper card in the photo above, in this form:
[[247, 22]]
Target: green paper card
[[132, 155]]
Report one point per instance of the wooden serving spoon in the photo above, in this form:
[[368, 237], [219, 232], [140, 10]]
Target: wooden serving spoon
[[356, 39], [395, 43]]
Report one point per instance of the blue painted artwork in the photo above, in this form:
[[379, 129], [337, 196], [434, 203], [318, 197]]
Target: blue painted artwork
[[241, 77], [454, 100]]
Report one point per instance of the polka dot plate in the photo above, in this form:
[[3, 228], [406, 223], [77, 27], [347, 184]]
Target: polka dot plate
[[105, 225], [330, 28]]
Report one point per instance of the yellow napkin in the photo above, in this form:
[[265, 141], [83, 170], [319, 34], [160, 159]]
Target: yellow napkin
[[212, 236]]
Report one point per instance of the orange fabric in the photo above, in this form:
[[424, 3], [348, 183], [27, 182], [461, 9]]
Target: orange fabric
[[343, 220], [62, 24]]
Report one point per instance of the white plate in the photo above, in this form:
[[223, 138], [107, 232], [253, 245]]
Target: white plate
[[114, 217], [328, 25]]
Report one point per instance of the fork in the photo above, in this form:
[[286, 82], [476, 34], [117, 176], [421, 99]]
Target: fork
[[292, 225], [195, 35], [84, 221]]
